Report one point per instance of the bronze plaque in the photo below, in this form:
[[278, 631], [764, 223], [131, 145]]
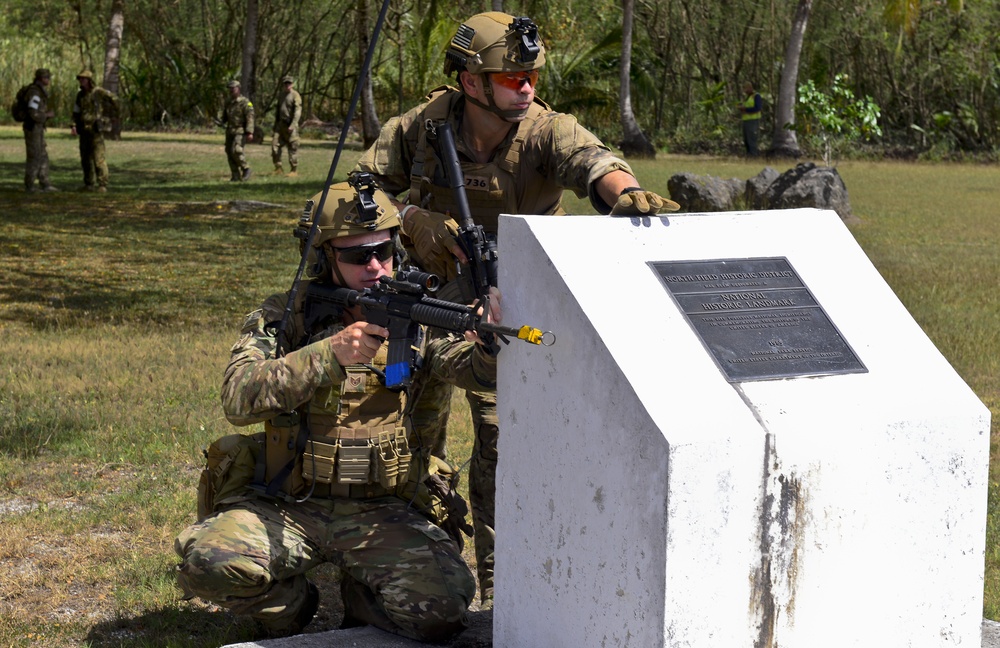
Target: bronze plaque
[[757, 318]]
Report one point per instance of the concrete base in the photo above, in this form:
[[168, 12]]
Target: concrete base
[[645, 501]]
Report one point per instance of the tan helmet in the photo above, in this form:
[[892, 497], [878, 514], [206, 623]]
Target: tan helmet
[[233, 84], [86, 74], [495, 42], [357, 206]]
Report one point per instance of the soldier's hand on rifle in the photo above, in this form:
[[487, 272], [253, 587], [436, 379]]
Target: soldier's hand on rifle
[[249, 136], [433, 235], [357, 343], [494, 316], [636, 201]]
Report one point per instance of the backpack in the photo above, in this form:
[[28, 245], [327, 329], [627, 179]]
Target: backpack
[[19, 109]]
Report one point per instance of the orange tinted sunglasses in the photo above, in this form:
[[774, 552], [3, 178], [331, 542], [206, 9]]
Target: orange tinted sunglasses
[[514, 80]]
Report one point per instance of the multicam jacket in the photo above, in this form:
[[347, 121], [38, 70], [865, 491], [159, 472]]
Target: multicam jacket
[[345, 406], [257, 386], [95, 110], [237, 116], [542, 155], [37, 101], [289, 110]]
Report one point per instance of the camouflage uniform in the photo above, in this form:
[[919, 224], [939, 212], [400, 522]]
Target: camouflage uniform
[[286, 129], [37, 164], [237, 117], [541, 156], [401, 572], [93, 113]]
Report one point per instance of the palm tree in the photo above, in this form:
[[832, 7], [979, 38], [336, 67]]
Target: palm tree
[[783, 141], [634, 141]]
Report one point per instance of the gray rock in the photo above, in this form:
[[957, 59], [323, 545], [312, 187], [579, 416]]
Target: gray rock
[[753, 195], [808, 185], [695, 193]]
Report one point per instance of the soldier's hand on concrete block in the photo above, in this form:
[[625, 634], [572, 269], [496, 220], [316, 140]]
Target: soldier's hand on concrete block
[[636, 201]]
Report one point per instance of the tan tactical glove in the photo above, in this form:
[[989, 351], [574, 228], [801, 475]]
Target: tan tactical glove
[[433, 236], [636, 201]]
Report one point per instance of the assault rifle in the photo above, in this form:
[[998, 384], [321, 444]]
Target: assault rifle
[[401, 304], [478, 247]]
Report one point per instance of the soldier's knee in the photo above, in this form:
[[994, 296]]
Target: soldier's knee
[[213, 573]]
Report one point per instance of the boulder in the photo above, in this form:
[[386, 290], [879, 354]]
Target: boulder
[[695, 193], [757, 186], [808, 185]]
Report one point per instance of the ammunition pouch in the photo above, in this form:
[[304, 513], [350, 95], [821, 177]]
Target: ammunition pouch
[[383, 459], [430, 489], [228, 472]]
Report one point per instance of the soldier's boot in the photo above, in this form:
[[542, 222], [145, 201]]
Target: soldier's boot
[[278, 169], [302, 619], [234, 176], [247, 173], [294, 173], [360, 606], [49, 187], [102, 189]]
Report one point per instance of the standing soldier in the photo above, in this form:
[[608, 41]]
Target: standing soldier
[[237, 117], [36, 113], [518, 155], [286, 128], [94, 112]]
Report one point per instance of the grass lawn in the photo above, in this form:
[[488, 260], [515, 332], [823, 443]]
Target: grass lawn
[[117, 312]]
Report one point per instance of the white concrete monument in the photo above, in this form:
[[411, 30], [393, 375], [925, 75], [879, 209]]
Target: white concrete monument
[[740, 438]]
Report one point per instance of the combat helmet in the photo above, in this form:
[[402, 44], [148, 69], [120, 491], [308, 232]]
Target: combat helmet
[[495, 42], [357, 206], [86, 74]]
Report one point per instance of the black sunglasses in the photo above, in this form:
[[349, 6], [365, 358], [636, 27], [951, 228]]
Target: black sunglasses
[[362, 254]]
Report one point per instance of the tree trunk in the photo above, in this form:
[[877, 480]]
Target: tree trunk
[[634, 142], [496, 5], [112, 56], [248, 74], [370, 126], [784, 142]]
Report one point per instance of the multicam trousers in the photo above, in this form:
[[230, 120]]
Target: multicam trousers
[[285, 137], [234, 153], [37, 165], [92, 159], [429, 417], [252, 559]]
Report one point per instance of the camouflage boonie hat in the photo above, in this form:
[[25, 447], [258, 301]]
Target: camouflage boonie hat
[[42, 73], [287, 79], [86, 74], [233, 84]]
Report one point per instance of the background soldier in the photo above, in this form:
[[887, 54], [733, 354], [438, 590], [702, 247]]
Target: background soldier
[[36, 114], [237, 117], [340, 501], [286, 128], [94, 113], [517, 156]]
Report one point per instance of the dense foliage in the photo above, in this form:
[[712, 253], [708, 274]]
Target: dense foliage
[[935, 72]]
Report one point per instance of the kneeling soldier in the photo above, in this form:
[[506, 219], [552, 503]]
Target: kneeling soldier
[[333, 477]]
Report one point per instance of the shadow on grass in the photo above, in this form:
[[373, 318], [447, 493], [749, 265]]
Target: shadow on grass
[[172, 628]]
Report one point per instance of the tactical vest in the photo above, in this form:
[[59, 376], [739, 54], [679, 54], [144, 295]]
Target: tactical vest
[[354, 443], [491, 188]]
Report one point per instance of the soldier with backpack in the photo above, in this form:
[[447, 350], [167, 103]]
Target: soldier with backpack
[[31, 109], [94, 112]]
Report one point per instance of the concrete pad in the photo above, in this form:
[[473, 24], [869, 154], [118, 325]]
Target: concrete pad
[[645, 500]]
